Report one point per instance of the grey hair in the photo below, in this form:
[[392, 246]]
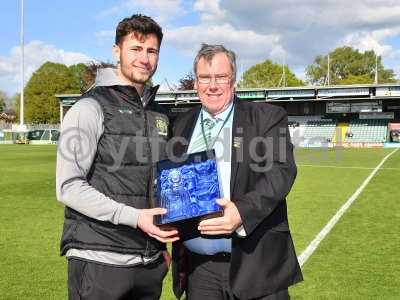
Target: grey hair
[[209, 51]]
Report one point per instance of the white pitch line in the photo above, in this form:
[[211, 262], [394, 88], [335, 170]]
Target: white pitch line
[[345, 167], [305, 255]]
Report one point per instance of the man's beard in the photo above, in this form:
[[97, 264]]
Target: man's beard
[[135, 76]]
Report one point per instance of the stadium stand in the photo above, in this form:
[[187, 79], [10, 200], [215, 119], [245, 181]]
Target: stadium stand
[[319, 131], [318, 116], [374, 131], [309, 130], [297, 126], [43, 136], [34, 134], [315, 130]]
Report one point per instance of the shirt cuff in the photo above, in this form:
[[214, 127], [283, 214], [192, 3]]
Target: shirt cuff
[[129, 216], [241, 232]]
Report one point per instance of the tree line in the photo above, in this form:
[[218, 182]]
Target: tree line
[[40, 103], [346, 65]]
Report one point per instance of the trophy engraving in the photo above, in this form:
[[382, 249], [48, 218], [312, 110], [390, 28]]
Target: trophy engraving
[[188, 190]]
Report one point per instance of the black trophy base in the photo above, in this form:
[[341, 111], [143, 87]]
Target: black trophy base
[[188, 228]]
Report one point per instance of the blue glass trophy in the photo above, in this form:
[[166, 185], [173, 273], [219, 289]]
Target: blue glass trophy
[[188, 190]]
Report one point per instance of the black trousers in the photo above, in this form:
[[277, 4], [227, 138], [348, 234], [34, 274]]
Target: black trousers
[[95, 281], [209, 279]]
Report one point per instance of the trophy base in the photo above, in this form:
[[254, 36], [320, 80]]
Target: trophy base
[[188, 228]]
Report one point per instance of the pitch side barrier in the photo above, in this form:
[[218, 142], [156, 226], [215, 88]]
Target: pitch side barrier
[[349, 145], [40, 134]]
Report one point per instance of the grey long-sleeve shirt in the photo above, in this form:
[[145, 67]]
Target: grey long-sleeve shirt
[[80, 133], [81, 130]]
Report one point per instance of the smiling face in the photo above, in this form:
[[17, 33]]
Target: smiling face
[[217, 94], [138, 58]]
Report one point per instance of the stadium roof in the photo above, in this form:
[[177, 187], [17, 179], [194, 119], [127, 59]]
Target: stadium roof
[[279, 94]]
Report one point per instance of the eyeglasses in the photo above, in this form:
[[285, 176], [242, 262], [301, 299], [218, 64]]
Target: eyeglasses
[[221, 79]]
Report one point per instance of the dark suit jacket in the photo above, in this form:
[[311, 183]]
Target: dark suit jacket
[[262, 173]]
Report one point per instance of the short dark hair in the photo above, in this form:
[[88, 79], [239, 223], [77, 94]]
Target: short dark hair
[[140, 25]]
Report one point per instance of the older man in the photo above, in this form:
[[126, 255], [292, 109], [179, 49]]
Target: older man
[[247, 253]]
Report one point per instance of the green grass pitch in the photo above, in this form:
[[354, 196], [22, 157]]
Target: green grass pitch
[[357, 260]]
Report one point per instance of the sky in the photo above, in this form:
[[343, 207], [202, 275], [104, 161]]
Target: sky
[[286, 31]]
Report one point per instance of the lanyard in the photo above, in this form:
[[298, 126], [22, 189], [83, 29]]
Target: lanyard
[[215, 138]]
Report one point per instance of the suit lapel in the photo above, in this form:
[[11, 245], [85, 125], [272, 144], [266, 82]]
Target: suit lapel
[[238, 135]]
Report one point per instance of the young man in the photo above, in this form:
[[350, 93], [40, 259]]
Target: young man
[[109, 140], [247, 253]]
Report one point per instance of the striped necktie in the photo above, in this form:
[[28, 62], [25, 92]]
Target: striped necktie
[[199, 143]]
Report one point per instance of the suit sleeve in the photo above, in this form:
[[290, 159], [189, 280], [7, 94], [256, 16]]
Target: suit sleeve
[[274, 171]]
